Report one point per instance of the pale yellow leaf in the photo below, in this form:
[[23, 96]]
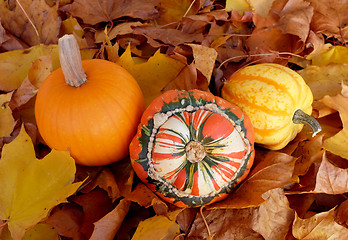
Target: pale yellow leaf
[[261, 7], [325, 80], [31, 187], [158, 227], [152, 75], [238, 5], [329, 54]]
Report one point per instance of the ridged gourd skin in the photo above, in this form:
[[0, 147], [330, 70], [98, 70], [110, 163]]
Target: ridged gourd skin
[[192, 148], [95, 121], [270, 94]]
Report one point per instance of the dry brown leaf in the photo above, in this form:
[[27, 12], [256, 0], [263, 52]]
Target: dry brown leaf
[[123, 173], [107, 227], [321, 226], [268, 39], [67, 219], [273, 218], [295, 18], [106, 181], [301, 203], [172, 11], [96, 204], [274, 171], [330, 18], [96, 11], [157, 36], [142, 195], [341, 214], [331, 179], [224, 224], [34, 22]]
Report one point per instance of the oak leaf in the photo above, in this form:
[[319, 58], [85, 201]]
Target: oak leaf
[[31, 187]]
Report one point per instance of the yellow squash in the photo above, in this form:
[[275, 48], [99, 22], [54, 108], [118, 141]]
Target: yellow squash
[[276, 99]]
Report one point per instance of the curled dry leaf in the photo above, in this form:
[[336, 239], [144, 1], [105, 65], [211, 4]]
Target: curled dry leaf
[[33, 21], [273, 171], [142, 195], [107, 227], [204, 59], [321, 226], [331, 179], [341, 214], [96, 11], [330, 18], [273, 218], [224, 224]]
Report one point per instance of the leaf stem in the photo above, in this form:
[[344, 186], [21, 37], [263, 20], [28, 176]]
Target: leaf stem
[[70, 61]]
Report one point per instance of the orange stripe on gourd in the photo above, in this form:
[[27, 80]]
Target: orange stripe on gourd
[[270, 94]]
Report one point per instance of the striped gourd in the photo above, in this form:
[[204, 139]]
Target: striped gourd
[[192, 148], [276, 99]]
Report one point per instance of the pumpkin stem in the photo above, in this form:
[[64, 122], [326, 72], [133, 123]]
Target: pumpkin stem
[[70, 61], [195, 152], [300, 117]]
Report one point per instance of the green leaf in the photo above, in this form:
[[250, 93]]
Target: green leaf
[[31, 187]]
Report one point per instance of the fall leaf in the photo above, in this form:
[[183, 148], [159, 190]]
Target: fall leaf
[[274, 171], [337, 144], [321, 226], [331, 179], [158, 227], [41, 22], [152, 75], [94, 11], [273, 218], [107, 227], [330, 18], [38, 232], [15, 65], [31, 187], [325, 80], [7, 122]]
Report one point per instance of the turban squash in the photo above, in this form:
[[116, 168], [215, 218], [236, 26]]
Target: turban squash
[[91, 108], [276, 99], [192, 148]]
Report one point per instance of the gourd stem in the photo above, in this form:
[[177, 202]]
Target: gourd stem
[[300, 117], [70, 61]]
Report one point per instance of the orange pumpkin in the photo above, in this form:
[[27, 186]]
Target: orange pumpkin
[[95, 115]]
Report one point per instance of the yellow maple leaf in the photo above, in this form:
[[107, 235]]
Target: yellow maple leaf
[[30, 188], [158, 227], [152, 75]]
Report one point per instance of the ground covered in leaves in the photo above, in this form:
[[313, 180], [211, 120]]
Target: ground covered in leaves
[[299, 192]]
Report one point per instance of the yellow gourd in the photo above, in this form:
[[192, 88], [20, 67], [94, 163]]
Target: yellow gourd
[[276, 99]]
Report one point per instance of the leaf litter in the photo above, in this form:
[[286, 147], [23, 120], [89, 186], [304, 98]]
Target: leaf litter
[[301, 190]]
